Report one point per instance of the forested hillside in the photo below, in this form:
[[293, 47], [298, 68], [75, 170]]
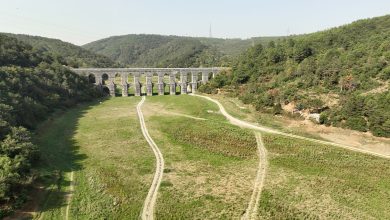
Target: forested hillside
[[65, 53], [32, 85], [342, 73], [171, 51]]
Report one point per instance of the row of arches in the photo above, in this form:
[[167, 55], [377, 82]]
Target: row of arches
[[150, 84]]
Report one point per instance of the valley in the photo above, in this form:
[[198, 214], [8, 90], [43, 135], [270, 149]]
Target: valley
[[153, 126], [208, 168]]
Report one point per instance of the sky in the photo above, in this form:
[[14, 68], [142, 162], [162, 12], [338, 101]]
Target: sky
[[84, 21]]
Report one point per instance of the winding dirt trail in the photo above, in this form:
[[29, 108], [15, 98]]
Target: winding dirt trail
[[253, 205], [245, 124], [70, 195], [150, 201]]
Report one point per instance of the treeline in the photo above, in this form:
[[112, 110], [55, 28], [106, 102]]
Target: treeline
[[32, 85], [65, 53], [342, 73], [147, 50], [157, 51]]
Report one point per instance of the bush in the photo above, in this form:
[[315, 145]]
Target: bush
[[324, 118], [277, 109], [16, 156], [207, 88], [379, 125], [357, 123], [300, 106]]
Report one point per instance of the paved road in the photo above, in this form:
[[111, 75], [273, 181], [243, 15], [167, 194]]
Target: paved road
[[251, 211], [245, 124], [150, 201]]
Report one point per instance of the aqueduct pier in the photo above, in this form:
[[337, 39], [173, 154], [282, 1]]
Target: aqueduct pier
[[104, 78]]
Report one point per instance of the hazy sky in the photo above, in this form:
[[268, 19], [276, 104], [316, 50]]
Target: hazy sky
[[83, 21]]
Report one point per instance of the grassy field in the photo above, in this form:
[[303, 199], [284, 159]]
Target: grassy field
[[112, 162], [247, 113], [208, 177], [312, 181], [210, 165]]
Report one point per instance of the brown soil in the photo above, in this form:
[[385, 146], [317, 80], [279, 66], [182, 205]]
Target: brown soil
[[361, 140]]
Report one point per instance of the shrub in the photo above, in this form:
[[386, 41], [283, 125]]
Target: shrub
[[207, 88], [324, 118], [277, 109], [357, 123]]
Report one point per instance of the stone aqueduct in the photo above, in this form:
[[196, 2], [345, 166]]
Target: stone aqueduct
[[185, 85]]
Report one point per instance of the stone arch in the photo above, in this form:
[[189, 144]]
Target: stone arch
[[124, 82], [106, 90], [149, 83], [199, 76], [210, 75], [215, 73], [137, 83], [172, 83], [160, 83], [105, 79], [193, 82], [183, 82], [205, 76], [115, 81], [92, 78]]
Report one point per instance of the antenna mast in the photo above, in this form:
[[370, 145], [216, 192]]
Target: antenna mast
[[210, 33]]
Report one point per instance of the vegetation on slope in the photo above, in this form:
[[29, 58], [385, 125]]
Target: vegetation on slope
[[171, 51], [32, 84], [342, 73], [65, 53]]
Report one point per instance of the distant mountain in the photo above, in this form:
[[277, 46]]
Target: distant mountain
[[342, 73], [67, 53], [171, 51]]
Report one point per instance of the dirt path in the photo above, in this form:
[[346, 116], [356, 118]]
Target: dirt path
[[70, 195], [253, 205], [245, 124], [150, 201]]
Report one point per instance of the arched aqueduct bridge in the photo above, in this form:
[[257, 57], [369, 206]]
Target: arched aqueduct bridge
[[110, 73]]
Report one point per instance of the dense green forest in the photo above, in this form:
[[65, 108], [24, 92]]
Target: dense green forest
[[342, 73], [171, 51], [65, 53], [33, 83]]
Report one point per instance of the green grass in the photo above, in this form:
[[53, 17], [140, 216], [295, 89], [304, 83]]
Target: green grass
[[112, 162], [210, 136], [209, 170], [265, 119], [308, 180], [210, 165], [186, 104]]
